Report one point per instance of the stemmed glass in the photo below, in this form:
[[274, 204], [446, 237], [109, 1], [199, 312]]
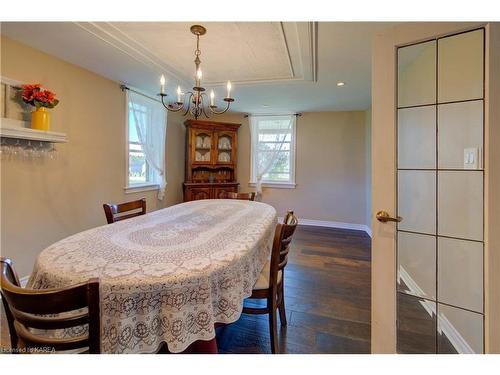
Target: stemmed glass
[[41, 150], [52, 152], [29, 151], [15, 148], [4, 148]]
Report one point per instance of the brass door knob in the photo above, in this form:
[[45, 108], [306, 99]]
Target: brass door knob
[[384, 217]]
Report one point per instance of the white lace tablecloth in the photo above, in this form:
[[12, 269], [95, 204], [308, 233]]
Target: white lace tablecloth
[[169, 275]]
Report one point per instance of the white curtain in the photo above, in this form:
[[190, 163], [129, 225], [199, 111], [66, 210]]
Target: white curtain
[[151, 125], [264, 162]]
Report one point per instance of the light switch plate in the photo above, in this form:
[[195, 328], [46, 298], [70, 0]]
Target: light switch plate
[[471, 158]]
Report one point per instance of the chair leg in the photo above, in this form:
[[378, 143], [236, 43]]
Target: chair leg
[[282, 307], [273, 324]]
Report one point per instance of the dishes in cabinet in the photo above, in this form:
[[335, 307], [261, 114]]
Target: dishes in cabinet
[[199, 142], [224, 143], [224, 157], [203, 141], [198, 156]]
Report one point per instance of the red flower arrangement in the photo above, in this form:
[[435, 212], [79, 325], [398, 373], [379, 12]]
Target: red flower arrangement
[[35, 96]]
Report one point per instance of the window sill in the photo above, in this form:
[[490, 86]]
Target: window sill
[[140, 188], [277, 185]]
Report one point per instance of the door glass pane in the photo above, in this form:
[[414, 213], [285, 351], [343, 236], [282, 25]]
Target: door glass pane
[[440, 132], [417, 201], [460, 67], [460, 135], [417, 137], [416, 328], [460, 204], [460, 273], [459, 331], [417, 264], [417, 74]]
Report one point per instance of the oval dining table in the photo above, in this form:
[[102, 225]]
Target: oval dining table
[[167, 277]]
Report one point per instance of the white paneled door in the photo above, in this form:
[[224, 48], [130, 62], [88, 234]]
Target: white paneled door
[[429, 230]]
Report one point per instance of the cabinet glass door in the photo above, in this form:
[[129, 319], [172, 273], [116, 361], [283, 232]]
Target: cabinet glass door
[[440, 175], [225, 146], [202, 147]]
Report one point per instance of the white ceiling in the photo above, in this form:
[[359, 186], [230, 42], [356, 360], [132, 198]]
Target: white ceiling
[[275, 67]]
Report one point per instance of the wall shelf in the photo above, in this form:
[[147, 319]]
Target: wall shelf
[[10, 128]]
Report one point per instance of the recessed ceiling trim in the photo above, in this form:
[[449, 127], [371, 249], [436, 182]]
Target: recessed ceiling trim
[[127, 48], [283, 38], [306, 39]]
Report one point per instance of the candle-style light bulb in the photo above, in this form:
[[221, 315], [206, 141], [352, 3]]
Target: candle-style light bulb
[[212, 97], [229, 89], [162, 84], [199, 74], [179, 92]]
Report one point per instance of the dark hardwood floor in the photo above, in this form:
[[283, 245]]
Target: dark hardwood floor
[[327, 294], [327, 291]]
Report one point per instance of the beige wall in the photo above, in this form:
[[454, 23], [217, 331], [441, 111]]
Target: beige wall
[[331, 167], [44, 201]]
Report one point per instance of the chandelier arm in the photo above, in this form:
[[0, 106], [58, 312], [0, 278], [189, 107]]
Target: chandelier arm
[[203, 106], [220, 112], [169, 107], [188, 103]]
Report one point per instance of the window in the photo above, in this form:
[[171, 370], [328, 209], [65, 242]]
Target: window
[[146, 132], [273, 150], [139, 172]]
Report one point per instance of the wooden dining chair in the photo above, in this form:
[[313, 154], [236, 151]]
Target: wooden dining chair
[[241, 196], [115, 212], [28, 309], [270, 283]]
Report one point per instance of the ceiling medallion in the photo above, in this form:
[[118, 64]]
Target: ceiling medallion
[[196, 99]]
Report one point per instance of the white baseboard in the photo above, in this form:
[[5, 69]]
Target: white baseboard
[[333, 224], [444, 325]]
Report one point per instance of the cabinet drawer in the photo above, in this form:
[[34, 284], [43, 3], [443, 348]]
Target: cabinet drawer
[[194, 194]]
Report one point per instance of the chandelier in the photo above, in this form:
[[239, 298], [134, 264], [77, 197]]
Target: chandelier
[[194, 102]]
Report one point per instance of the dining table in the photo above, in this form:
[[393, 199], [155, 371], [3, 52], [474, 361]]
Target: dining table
[[167, 277]]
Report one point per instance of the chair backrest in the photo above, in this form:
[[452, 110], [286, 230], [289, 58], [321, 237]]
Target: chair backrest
[[281, 247], [38, 309], [10, 274], [289, 217], [115, 212], [241, 196]]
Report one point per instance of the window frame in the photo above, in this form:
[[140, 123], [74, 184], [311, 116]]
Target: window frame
[[139, 187], [290, 184]]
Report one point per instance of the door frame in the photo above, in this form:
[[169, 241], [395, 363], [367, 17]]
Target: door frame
[[384, 114]]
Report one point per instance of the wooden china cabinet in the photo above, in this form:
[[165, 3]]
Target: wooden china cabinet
[[211, 149]]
